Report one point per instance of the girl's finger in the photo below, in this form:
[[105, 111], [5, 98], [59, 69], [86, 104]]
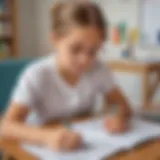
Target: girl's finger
[[68, 142]]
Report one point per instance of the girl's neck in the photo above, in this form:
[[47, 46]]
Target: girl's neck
[[69, 77]]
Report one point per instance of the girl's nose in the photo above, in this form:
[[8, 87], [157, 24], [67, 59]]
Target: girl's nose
[[83, 60]]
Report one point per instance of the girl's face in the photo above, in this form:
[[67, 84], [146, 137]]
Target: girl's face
[[78, 49]]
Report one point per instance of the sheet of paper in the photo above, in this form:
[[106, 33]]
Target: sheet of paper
[[99, 143], [139, 132], [93, 149]]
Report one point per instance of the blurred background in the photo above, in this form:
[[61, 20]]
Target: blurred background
[[134, 37]]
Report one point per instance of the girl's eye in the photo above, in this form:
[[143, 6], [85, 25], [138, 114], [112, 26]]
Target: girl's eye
[[76, 48], [93, 52]]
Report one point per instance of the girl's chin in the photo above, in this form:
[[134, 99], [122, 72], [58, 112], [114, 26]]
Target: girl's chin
[[78, 72]]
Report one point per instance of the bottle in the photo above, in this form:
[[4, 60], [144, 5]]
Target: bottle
[[115, 37], [122, 27]]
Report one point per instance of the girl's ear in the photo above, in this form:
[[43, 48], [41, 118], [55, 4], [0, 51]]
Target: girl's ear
[[53, 37]]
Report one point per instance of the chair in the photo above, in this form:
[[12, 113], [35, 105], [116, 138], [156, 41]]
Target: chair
[[9, 72]]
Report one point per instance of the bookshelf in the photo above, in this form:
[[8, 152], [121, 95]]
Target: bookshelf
[[8, 32]]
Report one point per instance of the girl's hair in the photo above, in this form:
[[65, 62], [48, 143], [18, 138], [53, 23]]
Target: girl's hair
[[65, 15]]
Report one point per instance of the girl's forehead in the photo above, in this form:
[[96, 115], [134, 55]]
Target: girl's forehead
[[85, 34]]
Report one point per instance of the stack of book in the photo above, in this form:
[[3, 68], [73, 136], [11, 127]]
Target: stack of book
[[5, 29]]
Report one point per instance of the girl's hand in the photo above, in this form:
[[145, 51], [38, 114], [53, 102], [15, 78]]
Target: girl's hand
[[115, 124], [62, 140]]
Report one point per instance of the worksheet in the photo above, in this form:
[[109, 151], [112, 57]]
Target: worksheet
[[140, 131], [98, 143], [93, 148]]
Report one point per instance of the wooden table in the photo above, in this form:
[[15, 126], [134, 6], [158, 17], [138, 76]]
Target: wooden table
[[148, 151], [144, 69]]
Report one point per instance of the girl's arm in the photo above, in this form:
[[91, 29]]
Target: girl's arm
[[116, 97], [120, 121], [14, 128], [113, 96]]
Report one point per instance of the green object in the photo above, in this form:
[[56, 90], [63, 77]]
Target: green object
[[9, 72], [122, 27]]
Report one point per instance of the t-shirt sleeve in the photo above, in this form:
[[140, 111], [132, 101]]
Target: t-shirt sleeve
[[24, 92], [106, 80]]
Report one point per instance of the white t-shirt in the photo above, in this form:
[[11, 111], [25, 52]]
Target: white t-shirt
[[47, 95]]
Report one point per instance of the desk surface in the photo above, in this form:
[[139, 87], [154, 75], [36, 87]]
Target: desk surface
[[144, 69], [147, 151], [133, 66]]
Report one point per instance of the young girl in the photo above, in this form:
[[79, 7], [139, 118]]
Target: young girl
[[67, 83]]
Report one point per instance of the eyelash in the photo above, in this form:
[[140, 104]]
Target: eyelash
[[77, 49]]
